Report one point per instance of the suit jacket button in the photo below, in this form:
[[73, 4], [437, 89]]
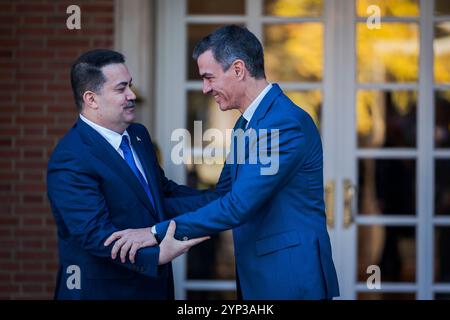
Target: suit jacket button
[[185, 238]]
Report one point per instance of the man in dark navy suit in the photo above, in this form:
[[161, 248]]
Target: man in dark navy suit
[[102, 177]]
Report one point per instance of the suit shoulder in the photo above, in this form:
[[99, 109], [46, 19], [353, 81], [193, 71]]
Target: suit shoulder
[[288, 111]]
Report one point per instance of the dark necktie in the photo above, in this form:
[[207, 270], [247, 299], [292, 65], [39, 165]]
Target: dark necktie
[[241, 123], [128, 156]]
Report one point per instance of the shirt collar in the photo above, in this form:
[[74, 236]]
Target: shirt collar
[[248, 113], [112, 137]]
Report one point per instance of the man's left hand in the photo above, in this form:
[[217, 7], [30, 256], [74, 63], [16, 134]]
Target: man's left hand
[[130, 240]]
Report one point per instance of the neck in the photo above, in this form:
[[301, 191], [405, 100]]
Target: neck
[[253, 89], [98, 120]]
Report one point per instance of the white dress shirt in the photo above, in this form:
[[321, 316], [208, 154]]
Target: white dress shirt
[[114, 140], [248, 113]]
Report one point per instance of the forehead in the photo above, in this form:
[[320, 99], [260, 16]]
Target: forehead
[[207, 63], [116, 73]]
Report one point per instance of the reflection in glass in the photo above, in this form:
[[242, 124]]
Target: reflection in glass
[[293, 8], [441, 256], [391, 248], [196, 32], [442, 119], [216, 7], [310, 101], [387, 186], [294, 51], [441, 46], [441, 8], [389, 54], [211, 295], [395, 8], [386, 296], [442, 296], [442, 187], [212, 259], [386, 119]]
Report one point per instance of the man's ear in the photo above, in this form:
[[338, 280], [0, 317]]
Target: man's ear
[[239, 69], [89, 100]]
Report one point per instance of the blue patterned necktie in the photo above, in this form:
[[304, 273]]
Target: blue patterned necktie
[[128, 155]]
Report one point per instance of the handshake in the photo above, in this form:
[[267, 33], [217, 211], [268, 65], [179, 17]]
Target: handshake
[[129, 241]]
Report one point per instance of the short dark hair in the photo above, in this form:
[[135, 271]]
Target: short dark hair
[[86, 73], [232, 42]]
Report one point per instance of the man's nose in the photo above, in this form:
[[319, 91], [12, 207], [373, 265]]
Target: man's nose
[[206, 87], [131, 95]]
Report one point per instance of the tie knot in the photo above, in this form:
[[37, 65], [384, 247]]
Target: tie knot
[[125, 144], [241, 123]]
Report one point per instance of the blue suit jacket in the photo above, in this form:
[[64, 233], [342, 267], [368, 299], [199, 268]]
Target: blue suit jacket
[[281, 243], [94, 193]]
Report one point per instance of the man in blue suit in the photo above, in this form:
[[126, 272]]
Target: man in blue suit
[[281, 243], [102, 177]]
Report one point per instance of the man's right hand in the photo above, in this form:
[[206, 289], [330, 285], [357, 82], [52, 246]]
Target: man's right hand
[[170, 248]]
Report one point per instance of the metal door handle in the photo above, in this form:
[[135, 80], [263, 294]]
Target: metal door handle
[[349, 194], [329, 202]]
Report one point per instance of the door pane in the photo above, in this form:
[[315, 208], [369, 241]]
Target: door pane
[[441, 254], [442, 119], [387, 187], [294, 51], [391, 248], [386, 296], [441, 8], [293, 8], [310, 101], [442, 187], [396, 8], [441, 45], [210, 295], [216, 7], [386, 119], [389, 54], [196, 32]]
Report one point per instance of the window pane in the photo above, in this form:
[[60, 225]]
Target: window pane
[[212, 259], [196, 32], [442, 187], [441, 8], [387, 186], [293, 8], [386, 119], [395, 8], [294, 51], [310, 101], [442, 119], [389, 54], [441, 256], [441, 46], [211, 295], [392, 249], [386, 295], [216, 7]]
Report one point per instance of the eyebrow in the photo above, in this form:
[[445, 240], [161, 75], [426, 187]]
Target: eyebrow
[[123, 83], [206, 74]]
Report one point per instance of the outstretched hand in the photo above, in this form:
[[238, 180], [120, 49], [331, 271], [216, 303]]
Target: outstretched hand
[[170, 248], [130, 241]]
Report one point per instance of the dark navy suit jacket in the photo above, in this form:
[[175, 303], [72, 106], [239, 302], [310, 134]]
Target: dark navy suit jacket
[[281, 243], [94, 193]]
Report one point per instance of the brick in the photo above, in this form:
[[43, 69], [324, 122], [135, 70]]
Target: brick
[[33, 277]]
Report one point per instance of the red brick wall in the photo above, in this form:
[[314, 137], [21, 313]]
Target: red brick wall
[[36, 109]]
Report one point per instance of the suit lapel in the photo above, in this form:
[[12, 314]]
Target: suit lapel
[[148, 166], [106, 153], [259, 114]]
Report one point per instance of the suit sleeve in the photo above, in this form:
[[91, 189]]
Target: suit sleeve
[[82, 214], [251, 189], [175, 206]]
